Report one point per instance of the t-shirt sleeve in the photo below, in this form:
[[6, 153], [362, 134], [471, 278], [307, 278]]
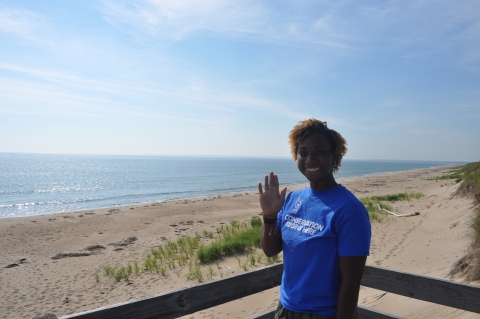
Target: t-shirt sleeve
[[354, 231]]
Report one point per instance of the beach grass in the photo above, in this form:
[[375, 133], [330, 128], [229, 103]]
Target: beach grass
[[397, 197], [471, 187], [456, 174], [197, 253], [471, 181], [376, 204], [237, 238]]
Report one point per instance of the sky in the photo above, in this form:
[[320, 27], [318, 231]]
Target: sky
[[398, 79]]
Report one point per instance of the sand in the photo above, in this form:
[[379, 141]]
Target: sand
[[32, 283]]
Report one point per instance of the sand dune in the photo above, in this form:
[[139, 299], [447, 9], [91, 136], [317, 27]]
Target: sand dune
[[47, 262]]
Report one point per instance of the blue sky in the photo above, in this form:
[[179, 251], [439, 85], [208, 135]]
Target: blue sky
[[398, 79]]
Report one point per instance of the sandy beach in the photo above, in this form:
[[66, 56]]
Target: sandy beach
[[47, 263]]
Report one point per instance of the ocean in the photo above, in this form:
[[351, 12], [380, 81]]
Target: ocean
[[33, 184]]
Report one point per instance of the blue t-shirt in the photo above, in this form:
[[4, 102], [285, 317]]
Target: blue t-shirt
[[318, 227]]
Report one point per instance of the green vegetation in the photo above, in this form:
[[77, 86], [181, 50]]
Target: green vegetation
[[273, 259], [372, 203], [455, 174], [189, 254], [471, 187], [117, 274], [396, 197], [120, 274], [372, 207], [136, 268], [234, 239], [471, 181], [109, 271]]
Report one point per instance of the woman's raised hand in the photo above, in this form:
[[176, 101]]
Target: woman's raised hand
[[271, 199]]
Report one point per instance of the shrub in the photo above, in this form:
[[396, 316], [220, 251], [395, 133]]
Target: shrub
[[209, 253], [236, 239]]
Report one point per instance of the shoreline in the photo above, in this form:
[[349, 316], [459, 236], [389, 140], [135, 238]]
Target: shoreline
[[213, 195], [39, 284]]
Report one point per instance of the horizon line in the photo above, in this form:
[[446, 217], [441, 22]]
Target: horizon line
[[224, 156]]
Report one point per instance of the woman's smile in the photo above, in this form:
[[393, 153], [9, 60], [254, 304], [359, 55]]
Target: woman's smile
[[315, 161]]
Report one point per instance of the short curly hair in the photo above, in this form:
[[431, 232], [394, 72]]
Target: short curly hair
[[313, 126]]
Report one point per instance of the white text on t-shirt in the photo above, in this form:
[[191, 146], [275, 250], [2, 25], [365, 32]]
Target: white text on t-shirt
[[302, 225]]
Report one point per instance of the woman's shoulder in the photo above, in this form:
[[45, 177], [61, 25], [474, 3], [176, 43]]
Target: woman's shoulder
[[304, 192], [342, 198]]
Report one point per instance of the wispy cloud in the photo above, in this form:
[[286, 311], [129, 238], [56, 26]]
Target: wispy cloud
[[18, 22], [178, 19], [51, 92], [419, 27], [250, 20]]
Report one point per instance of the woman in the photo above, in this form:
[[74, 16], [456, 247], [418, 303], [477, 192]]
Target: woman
[[323, 230]]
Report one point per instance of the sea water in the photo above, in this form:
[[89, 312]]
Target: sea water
[[32, 184]]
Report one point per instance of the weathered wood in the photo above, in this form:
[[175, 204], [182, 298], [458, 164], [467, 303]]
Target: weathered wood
[[439, 291], [47, 316], [398, 215], [368, 313], [189, 300], [192, 299], [267, 314], [365, 313]]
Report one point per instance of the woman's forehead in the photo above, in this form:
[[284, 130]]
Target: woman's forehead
[[314, 140]]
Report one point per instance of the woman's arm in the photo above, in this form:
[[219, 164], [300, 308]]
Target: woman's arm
[[271, 239], [271, 202], [351, 272]]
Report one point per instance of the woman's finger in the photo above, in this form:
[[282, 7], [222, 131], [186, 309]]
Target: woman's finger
[[260, 190], [274, 185], [271, 184]]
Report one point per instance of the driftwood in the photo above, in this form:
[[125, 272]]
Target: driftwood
[[398, 215]]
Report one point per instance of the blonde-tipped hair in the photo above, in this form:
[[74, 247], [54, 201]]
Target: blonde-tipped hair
[[313, 126]]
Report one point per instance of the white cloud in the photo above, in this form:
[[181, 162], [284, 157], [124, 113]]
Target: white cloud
[[17, 21], [52, 92], [418, 27], [178, 19]]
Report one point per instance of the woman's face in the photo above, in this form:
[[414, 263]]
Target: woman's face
[[315, 161]]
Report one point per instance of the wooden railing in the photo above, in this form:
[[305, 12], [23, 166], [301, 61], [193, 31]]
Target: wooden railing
[[189, 300]]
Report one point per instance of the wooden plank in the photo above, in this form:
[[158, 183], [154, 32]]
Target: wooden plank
[[365, 313], [192, 299], [439, 291], [189, 300], [369, 313], [268, 314]]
